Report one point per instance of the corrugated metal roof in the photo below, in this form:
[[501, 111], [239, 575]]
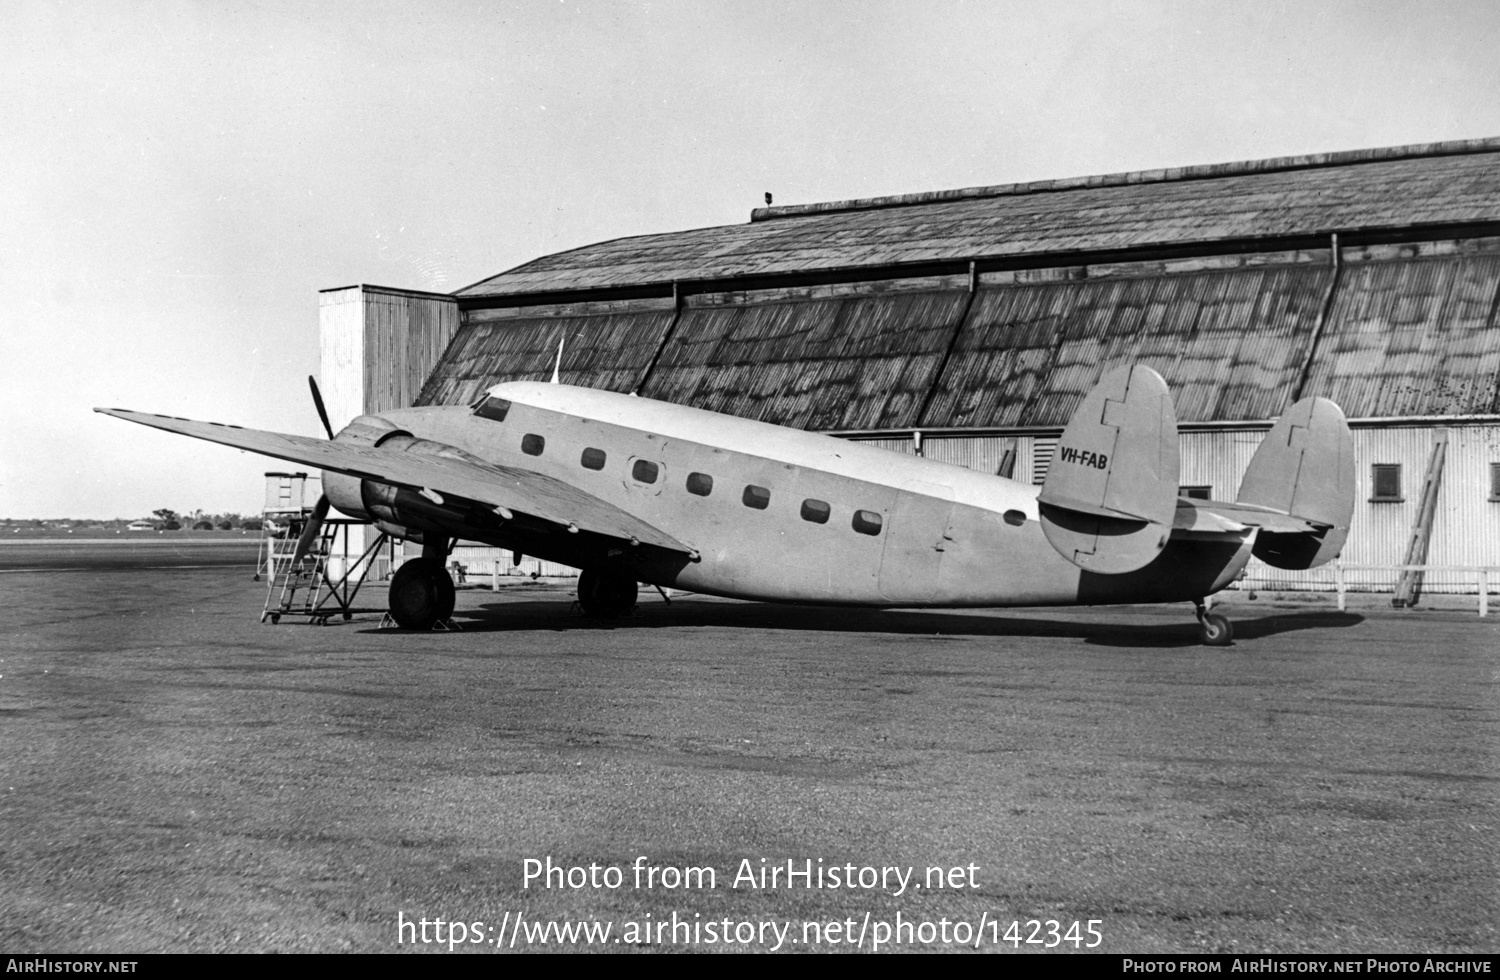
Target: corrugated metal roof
[[1404, 336], [1228, 343], [1413, 337], [1243, 203], [847, 363], [608, 351], [1196, 172]]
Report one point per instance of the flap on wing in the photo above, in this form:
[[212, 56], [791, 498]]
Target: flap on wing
[[515, 489]]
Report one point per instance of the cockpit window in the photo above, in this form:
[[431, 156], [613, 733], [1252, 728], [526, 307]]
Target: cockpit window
[[493, 408]]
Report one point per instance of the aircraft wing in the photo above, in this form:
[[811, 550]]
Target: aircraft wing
[[518, 490]]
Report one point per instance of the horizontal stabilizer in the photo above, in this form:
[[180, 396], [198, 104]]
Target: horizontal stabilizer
[[1110, 497], [1303, 469]]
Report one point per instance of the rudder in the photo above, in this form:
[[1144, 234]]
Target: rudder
[[1111, 492], [1305, 468]]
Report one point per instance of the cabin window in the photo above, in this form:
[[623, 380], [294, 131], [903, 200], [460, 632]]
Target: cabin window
[[1015, 518], [592, 459], [1386, 479], [700, 484], [757, 497], [532, 445], [644, 471], [867, 522], [816, 511], [1495, 481], [493, 408], [1196, 493]]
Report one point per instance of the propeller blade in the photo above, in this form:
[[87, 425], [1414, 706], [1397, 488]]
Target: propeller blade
[[312, 530], [318, 401]]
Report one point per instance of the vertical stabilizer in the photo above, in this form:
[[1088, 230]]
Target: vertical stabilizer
[[1305, 468], [1111, 491]]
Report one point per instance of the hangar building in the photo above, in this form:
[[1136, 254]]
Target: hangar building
[[966, 325]]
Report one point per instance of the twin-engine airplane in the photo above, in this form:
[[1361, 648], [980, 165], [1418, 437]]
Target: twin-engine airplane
[[632, 490]]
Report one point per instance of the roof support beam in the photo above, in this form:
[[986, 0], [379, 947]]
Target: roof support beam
[[1312, 343], [958, 328], [661, 341]]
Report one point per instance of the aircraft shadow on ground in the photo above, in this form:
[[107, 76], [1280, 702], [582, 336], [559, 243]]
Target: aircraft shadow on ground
[[557, 616]]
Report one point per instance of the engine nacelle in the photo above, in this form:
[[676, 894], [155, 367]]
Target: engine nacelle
[[397, 510]]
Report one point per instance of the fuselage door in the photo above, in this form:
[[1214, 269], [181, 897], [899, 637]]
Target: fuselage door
[[915, 541]]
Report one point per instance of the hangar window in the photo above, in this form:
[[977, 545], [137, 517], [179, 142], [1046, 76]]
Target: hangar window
[[1196, 493], [644, 471], [1386, 480], [816, 511], [867, 522], [1042, 451], [493, 408], [592, 459], [532, 445], [1495, 481], [700, 484], [757, 497]]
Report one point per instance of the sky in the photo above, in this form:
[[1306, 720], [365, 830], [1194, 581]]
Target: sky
[[180, 179]]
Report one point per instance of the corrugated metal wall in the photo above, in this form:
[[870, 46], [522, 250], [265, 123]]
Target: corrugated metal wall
[[1466, 530], [405, 337], [480, 563], [861, 362]]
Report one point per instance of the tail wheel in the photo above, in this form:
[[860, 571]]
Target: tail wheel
[[606, 595], [1216, 630], [421, 594]]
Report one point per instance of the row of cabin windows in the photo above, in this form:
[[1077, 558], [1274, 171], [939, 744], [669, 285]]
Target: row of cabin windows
[[701, 485]]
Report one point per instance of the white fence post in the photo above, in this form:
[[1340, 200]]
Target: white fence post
[[1484, 592], [1338, 582]]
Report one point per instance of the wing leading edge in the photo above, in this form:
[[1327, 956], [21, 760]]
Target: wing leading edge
[[518, 490]]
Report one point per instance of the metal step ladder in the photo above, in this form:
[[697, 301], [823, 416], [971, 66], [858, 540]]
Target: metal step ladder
[[286, 578], [322, 596]]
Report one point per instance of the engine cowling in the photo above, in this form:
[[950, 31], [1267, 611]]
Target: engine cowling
[[397, 510]]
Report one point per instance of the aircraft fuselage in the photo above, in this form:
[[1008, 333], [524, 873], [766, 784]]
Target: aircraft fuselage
[[789, 516]]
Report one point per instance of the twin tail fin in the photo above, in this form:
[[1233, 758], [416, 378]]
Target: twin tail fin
[[1110, 500]]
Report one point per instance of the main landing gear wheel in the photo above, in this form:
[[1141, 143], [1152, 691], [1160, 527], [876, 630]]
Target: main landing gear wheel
[[421, 594], [606, 595], [1215, 629]]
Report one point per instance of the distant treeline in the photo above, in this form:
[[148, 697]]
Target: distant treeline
[[162, 519]]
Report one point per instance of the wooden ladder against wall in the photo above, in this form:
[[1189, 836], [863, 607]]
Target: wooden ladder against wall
[[1409, 585]]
